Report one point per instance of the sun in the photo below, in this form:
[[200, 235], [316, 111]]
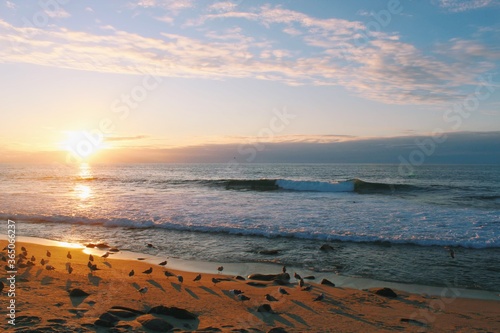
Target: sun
[[83, 144]]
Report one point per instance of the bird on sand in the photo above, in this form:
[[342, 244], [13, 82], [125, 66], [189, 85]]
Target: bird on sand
[[283, 269], [180, 278], [70, 269], [43, 262], [283, 291], [308, 288], [49, 267], [243, 298], [68, 255], [163, 263], [215, 281], [143, 290], [105, 255], [197, 278], [148, 271], [48, 253], [271, 298], [131, 273], [220, 269], [168, 274], [296, 276], [320, 297], [236, 292], [23, 249], [91, 257], [33, 258], [301, 283]]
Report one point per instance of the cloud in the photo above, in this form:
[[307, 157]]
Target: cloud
[[174, 6], [10, 5], [58, 13], [125, 138], [457, 6], [326, 52]]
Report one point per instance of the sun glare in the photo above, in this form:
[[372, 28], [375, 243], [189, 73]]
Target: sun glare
[[82, 144]]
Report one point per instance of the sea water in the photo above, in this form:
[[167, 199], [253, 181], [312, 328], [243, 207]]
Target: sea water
[[382, 224]]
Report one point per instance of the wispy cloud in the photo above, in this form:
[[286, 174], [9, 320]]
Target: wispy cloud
[[10, 5], [58, 13], [326, 52], [174, 6], [457, 6]]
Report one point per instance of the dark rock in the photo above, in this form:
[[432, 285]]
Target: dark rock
[[77, 293], [102, 246], [264, 308], [309, 277], [256, 284], [122, 313], [269, 252], [127, 309], [154, 324], [103, 323], [269, 277], [326, 247], [277, 330], [90, 245], [239, 277], [386, 292], [173, 312], [327, 283], [113, 249], [27, 320], [106, 316]]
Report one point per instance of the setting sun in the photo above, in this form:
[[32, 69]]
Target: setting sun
[[83, 144]]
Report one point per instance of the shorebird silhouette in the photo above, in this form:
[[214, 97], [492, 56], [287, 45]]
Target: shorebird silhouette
[[301, 283], [48, 253], [283, 291], [163, 263], [215, 281], [43, 262], [33, 258], [131, 273], [23, 249], [271, 298], [296, 276], [148, 271], [91, 257], [70, 269], [306, 288], [168, 274], [220, 269], [320, 297], [235, 291], [50, 268], [105, 255], [243, 298], [68, 255], [180, 278], [197, 278], [283, 269], [143, 290]]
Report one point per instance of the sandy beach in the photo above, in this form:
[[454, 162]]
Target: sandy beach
[[114, 303]]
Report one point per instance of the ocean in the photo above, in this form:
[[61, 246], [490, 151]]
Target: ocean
[[379, 223]]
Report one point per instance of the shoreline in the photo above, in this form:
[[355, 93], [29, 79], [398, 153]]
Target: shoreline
[[43, 302], [245, 269]]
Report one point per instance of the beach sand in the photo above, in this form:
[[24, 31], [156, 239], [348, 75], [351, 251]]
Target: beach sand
[[43, 304]]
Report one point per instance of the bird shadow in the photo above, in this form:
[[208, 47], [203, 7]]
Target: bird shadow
[[272, 318], [228, 294], [39, 272], [155, 284], [208, 290], [191, 293], [95, 280], [299, 303], [297, 318], [176, 286], [136, 286], [47, 280], [68, 284], [107, 264]]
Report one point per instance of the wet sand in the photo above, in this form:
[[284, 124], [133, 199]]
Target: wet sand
[[43, 303]]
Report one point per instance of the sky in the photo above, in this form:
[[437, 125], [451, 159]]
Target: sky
[[395, 81]]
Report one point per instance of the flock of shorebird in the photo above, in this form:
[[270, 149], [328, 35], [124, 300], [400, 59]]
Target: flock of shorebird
[[23, 262]]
